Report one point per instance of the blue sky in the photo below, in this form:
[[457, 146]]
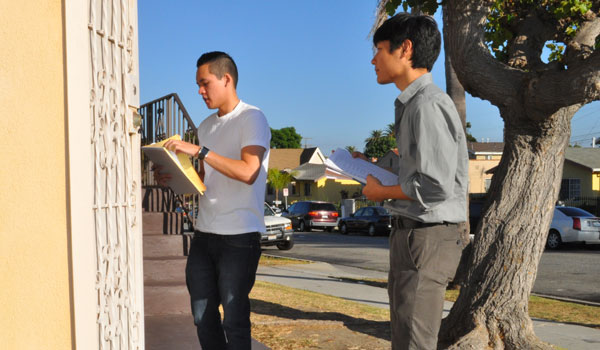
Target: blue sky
[[304, 63]]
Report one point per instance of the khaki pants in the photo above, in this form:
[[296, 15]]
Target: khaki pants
[[422, 262]]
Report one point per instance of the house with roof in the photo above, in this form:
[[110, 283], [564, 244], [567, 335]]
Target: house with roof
[[319, 182], [483, 156], [288, 159], [389, 161], [313, 180], [581, 173]]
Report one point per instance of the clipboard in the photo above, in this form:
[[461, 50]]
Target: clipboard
[[184, 178]]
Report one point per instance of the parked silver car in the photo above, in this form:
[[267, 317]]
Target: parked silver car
[[573, 225]]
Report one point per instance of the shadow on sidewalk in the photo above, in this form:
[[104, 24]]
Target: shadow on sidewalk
[[378, 329]]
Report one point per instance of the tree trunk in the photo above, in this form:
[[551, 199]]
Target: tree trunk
[[453, 86], [492, 310], [455, 90]]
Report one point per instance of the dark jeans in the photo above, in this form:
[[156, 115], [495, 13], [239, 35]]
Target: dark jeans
[[221, 269]]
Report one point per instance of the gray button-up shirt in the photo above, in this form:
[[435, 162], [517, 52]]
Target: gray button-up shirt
[[434, 163]]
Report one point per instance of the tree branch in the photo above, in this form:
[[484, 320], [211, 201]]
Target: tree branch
[[579, 84], [478, 71], [582, 45], [525, 50]]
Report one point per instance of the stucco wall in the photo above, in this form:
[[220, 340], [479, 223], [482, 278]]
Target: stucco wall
[[574, 171], [324, 189], [477, 175], [34, 282]]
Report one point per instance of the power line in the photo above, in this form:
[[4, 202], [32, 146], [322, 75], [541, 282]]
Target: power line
[[589, 113]]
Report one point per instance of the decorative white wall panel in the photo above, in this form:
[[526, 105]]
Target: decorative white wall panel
[[113, 77]]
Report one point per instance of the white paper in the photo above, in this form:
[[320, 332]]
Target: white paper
[[358, 169]]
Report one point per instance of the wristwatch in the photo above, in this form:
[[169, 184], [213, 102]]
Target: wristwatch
[[203, 152]]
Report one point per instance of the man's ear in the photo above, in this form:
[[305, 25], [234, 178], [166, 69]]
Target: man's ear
[[407, 49], [228, 79]]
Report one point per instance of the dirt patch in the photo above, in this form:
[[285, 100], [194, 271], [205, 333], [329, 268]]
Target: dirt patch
[[287, 318]]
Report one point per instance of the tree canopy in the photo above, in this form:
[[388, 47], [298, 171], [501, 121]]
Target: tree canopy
[[379, 143], [285, 138], [470, 137]]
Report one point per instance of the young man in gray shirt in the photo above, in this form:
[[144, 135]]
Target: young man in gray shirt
[[430, 198]]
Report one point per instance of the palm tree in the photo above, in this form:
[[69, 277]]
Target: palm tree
[[279, 179], [390, 130], [350, 149], [375, 135]]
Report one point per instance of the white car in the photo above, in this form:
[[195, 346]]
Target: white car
[[279, 230], [573, 225]]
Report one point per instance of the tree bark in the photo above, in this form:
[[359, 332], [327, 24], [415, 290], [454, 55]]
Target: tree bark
[[492, 310], [455, 90], [453, 86]]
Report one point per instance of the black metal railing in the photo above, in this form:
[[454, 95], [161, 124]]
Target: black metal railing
[[165, 117], [162, 118]]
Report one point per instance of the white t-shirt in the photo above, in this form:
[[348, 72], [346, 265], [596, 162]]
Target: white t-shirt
[[230, 206]]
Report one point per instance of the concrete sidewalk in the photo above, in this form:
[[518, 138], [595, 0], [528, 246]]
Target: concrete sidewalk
[[328, 279]]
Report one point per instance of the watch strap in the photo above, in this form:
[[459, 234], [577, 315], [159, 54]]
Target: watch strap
[[203, 152]]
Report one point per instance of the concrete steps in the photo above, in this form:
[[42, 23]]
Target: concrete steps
[[164, 270], [158, 199], [159, 245], [166, 299], [163, 223], [165, 246]]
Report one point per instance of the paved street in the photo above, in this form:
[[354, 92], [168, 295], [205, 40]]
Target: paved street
[[572, 272]]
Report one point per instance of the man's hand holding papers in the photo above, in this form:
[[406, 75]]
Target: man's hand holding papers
[[358, 169]]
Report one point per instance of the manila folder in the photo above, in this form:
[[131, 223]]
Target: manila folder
[[184, 178]]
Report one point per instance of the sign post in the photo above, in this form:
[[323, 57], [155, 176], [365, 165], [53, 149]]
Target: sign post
[[285, 195]]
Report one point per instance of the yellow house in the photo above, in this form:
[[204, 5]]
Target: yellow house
[[287, 159], [482, 157], [580, 183], [318, 182], [70, 179], [581, 173]]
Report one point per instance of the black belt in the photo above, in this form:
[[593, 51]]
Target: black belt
[[208, 234], [406, 223]]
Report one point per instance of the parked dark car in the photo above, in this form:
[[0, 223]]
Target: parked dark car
[[372, 220], [307, 215], [475, 211]]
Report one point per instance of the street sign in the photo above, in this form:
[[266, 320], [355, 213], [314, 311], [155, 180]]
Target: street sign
[[285, 192]]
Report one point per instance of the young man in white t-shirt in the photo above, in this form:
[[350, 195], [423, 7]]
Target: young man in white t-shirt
[[234, 155]]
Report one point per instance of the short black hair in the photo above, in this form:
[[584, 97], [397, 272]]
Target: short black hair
[[421, 30], [220, 63]]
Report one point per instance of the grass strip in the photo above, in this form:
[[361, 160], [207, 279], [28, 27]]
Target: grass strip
[[539, 307], [269, 260]]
